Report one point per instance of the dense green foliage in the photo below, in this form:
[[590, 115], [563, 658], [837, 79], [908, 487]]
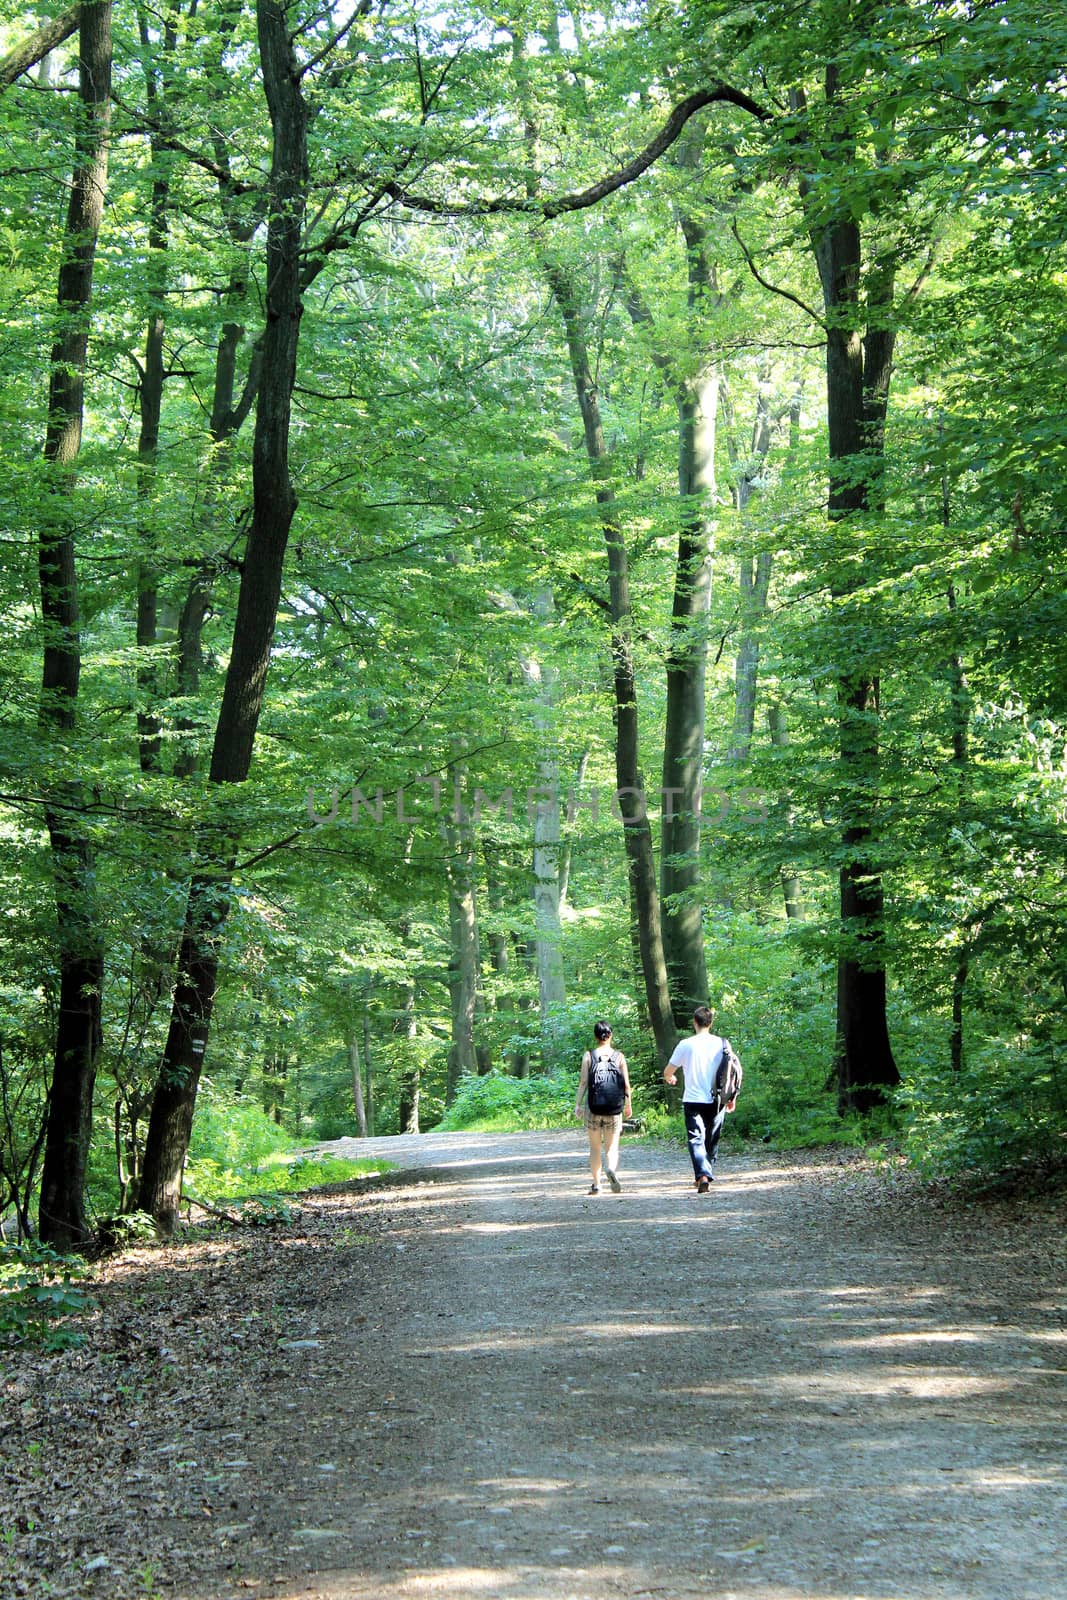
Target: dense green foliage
[[441, 649]]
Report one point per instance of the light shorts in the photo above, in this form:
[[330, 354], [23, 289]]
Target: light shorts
[[608, 1125]]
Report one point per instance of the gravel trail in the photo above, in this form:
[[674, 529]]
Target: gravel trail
[[807, 1384]]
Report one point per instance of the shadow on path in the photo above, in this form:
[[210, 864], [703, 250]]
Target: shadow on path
[[766, 1393]]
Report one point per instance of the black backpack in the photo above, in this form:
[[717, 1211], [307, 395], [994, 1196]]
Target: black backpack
[[727, 1077], [605, 1085]]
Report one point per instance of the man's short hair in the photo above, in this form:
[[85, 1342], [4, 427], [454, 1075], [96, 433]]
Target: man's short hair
[[703, 1016]]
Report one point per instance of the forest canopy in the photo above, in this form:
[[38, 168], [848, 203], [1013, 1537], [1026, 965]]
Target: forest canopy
[[511, 516]]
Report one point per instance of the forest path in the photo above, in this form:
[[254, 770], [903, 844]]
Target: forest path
[[472, 1381], [800, 1385]]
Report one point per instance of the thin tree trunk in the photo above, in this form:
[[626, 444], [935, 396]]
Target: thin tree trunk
[[633, 805], [355, 1067], [961, 761], [646, 919], [500, 954], [411, 1071], [683, 737], [80, 950], [687, 650], [150, 399], [567, 852], [546, 849], [754, 573], [274, 503], [754, 582], [697, 401], [794, 905], [463, 948], [368, 1070]]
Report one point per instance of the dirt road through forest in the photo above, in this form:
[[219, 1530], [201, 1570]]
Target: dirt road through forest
[[489, 1385], [775, 1391]]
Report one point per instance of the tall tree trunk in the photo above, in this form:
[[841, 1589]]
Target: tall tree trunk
[[567, 852], [546, 849], [683, 737], [500, 953], [857, 392], [274, 503], [79, 938], [960, 713], [411, 1071], [794, 905], [687, 650], [355, 1067], [633, 804], [697, 401], [150, 399], [646, 919], [463, 947], [754, 573], [754, 581], [370, 1095]]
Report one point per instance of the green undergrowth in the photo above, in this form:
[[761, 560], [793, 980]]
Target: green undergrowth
[[237, 1150], [497, 1103], [769, 1112], [281, 1173], [40, 1294]]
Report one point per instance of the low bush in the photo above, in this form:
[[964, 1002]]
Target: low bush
[[39, 1295], [283, 1173], [1004, 1112], [497, 1103]]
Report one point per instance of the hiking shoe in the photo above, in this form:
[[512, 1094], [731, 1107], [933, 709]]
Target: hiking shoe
[[703, 1185], [594, 1188], [616, 1186]]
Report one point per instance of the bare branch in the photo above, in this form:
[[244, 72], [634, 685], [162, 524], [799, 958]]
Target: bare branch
[[773, 287]]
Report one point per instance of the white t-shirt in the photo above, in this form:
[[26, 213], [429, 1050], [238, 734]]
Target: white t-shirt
[[698, 1058]]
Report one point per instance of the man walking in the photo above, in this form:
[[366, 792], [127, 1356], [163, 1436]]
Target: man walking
[[704, 1105]]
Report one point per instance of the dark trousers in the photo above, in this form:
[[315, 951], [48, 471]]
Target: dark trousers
[[703, 1130]]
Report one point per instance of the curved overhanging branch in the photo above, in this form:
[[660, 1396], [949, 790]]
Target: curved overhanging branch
[[29, 51], [534, 206]]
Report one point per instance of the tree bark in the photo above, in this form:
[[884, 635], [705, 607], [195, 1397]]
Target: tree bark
[[370, 1095], [683, 737], [62, 1218], [274, 504], [960, 713]]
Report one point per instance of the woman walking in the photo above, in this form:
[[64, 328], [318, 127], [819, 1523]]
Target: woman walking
[[604, 1090]]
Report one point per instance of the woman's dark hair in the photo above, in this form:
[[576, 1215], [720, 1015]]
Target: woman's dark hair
[[602, 1030]]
